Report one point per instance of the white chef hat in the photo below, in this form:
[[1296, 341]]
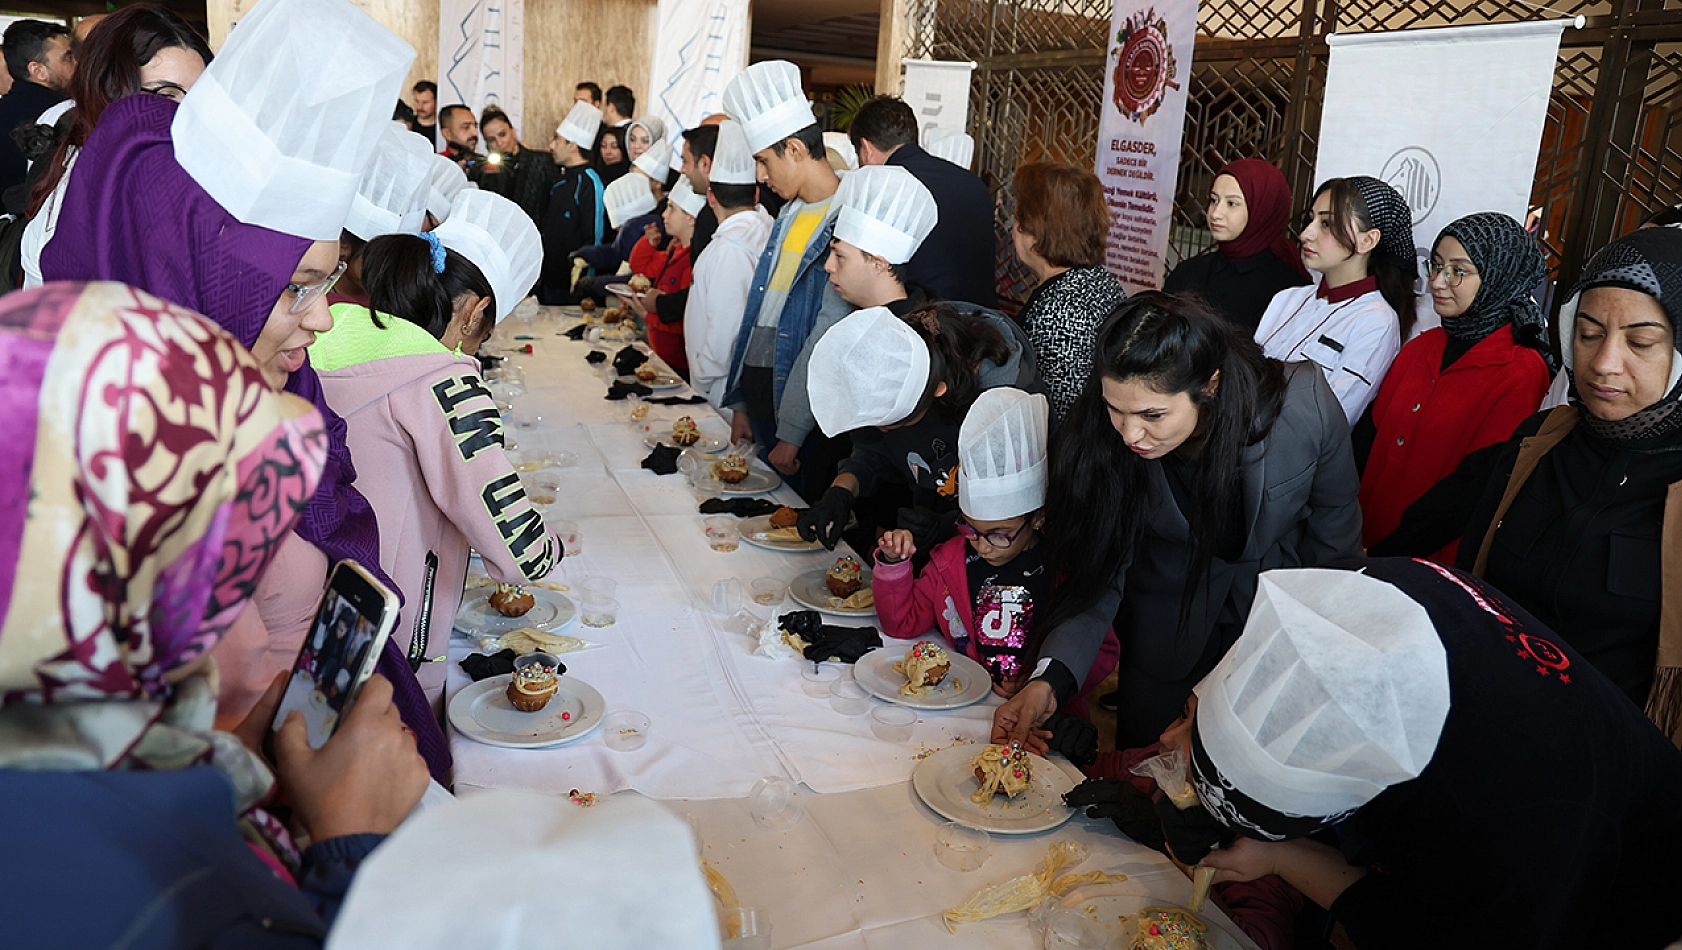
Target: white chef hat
[[842, 147], [656, 163], [627, 197], [1002, 455], [652, 124], [581, 125], [284, 120], [448, 181], [732, 159], [956, 147], [505, 865], [1337, 690], [885, 211], [684, 196], [391, 198], [870, 369], [769, 102], [496, 235]]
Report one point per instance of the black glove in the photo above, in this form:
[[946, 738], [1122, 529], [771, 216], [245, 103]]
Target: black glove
[[928, 528], [1120, 801], [740, 507], [577, 333], [677, 400], [1073, 737], [829, 642], [620, 390], [824, 521], [479, 666], [596, 356], [663, 460], [626, 361], [1191, 833]]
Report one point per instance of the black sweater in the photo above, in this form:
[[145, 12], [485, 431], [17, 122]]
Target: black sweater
[[1238, 290]]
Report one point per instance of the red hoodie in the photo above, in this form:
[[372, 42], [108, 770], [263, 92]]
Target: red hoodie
[[670, 271]]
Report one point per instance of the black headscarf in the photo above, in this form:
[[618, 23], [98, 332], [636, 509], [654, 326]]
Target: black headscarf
[[611, 173], [1509, 265]]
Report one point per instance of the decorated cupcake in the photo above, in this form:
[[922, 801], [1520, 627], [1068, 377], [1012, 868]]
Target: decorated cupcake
[[511, 600], [1168, 928], [731, 469], [685, 431], [784, 517], [646, 373], [533, 685], [845, 576], [925, 666], [1001, 768], [640, 284]]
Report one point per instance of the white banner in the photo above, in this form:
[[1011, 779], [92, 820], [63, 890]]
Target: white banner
[[699, 47], [481, 58], [1461, 135], [1139, 127], [939, 93]]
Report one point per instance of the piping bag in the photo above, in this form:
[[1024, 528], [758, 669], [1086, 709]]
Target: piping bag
[[1168, 770]]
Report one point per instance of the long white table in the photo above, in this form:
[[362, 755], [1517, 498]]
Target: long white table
[[859, 870]]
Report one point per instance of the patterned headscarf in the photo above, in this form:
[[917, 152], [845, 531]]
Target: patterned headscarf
[[1389, 213], [150, 474], [1648, 261], [1509, 265]]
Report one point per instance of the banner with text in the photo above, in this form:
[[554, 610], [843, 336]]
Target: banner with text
[[1139, 128], [699, 47], [481, 58], [1462, 138], [939, 93]]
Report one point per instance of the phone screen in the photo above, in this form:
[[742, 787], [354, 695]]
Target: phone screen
[[329, 670]]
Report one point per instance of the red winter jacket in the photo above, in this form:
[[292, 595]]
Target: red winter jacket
[[912, 607], [1428, 420], [670, 271]]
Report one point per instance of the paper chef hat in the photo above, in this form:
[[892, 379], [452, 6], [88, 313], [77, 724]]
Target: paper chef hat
[[685, 197], [581, 125], [627, 197], [870, 369], [1002, 455], [391, 198], [956, 147], [885, 211], [496, 235], [448, 181], [284, 120], [1337, 690], [732, 159], [769, 102], [656, 163], [842, 146]]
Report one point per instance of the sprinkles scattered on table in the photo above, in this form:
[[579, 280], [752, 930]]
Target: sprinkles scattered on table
[[581, 799]]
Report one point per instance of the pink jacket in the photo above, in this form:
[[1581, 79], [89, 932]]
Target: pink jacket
[[939, 598]]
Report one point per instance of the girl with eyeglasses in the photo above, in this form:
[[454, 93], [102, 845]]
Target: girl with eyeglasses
[[1461, 386]]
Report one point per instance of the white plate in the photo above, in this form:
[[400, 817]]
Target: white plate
[[663, 436], [551, 611], [662, 382], [946, 780], [482, 712], [622, 290], [1108, 909], [758, 482], [809, 590], [875, 672], [762, 524]]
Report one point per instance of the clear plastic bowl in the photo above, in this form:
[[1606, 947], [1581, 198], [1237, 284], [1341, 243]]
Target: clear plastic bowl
[[774, 803], [892, 723], [817, 678], [848, 698], [625, 730], [961, 848]]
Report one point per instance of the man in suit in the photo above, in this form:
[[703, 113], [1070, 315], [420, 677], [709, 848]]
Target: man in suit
[[956, 261]]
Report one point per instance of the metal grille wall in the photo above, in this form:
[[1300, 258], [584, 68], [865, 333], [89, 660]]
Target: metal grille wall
[[1611, 149]]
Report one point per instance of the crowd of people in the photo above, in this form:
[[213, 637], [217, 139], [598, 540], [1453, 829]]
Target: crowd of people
[[1399, 602]]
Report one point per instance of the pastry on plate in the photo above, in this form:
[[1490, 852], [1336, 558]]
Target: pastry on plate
[[645, 373], [587, 305], [532, 640], [1168, 928], [925, 666], [612, 315], [685, 431], [532, 687], [1001, 769], [511, 600], [784, 517], [845, 576], [780, 535], [731, 469], [640, 284], [862, 599]]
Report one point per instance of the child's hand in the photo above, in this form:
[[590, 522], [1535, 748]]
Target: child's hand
[[896, 545]]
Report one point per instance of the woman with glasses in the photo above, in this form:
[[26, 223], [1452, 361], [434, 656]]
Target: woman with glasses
[[1189, 464], [1461, 386]]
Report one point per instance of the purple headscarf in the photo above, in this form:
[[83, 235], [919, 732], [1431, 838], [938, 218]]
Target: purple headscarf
[[133, 214]]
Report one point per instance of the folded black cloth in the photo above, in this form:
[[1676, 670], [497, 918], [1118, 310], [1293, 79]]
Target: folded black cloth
[[830, 642], [1120, 801], [663, 460], [620, 390], [678, 400], [595, 356], [740, 507], [626, 361], [480, 666], [577, 332]]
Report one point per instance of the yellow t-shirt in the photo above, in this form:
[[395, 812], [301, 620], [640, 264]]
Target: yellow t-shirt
[[799, 235]]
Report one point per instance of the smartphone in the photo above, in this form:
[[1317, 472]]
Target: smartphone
[[351, 625]]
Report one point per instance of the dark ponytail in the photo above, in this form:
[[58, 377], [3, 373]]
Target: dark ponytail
[[958, 343], [1396, 278], [398, 277]]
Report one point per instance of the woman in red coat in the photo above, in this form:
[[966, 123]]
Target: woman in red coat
[[1462, 386]]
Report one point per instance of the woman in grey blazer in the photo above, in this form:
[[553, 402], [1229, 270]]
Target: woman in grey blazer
[[1189, 464]]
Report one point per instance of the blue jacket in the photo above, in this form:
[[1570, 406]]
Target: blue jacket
[[808, 297]]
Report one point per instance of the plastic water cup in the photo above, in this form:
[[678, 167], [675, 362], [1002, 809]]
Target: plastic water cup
[[817, 678], [892, 723], [727, 596], [960, 848], [848, 698], [598, 588], [723, 533], [543, 489], [746, 928], [625, 730], [768, 591], [599, 613], [572, 538], [1069, 929], [774, 803]]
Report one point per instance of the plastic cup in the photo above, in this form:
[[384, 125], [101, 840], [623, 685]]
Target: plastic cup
[[727, 596], [1068, 929], [599, 613], [774, 803], [817, 678], [892, 723], [526, 460], [551, 663], [768, 591], [705, 485], [746, 928], [543, 489], [571, 537], [625, 730], [723, 534], [526, 415], [960, 848], [848, 698], [598, 588]]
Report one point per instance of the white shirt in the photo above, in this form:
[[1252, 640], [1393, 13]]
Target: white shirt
[[718, 299], [40, 228], [1352, 341]]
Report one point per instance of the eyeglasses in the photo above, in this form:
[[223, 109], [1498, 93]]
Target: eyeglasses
[[306, 294], [997, 539], [1455, 273]]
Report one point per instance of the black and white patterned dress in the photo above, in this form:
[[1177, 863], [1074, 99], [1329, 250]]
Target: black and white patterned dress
[[1061, 318]]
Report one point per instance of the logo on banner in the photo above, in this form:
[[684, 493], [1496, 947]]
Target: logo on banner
[[1417, 177], [1144, 68]]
